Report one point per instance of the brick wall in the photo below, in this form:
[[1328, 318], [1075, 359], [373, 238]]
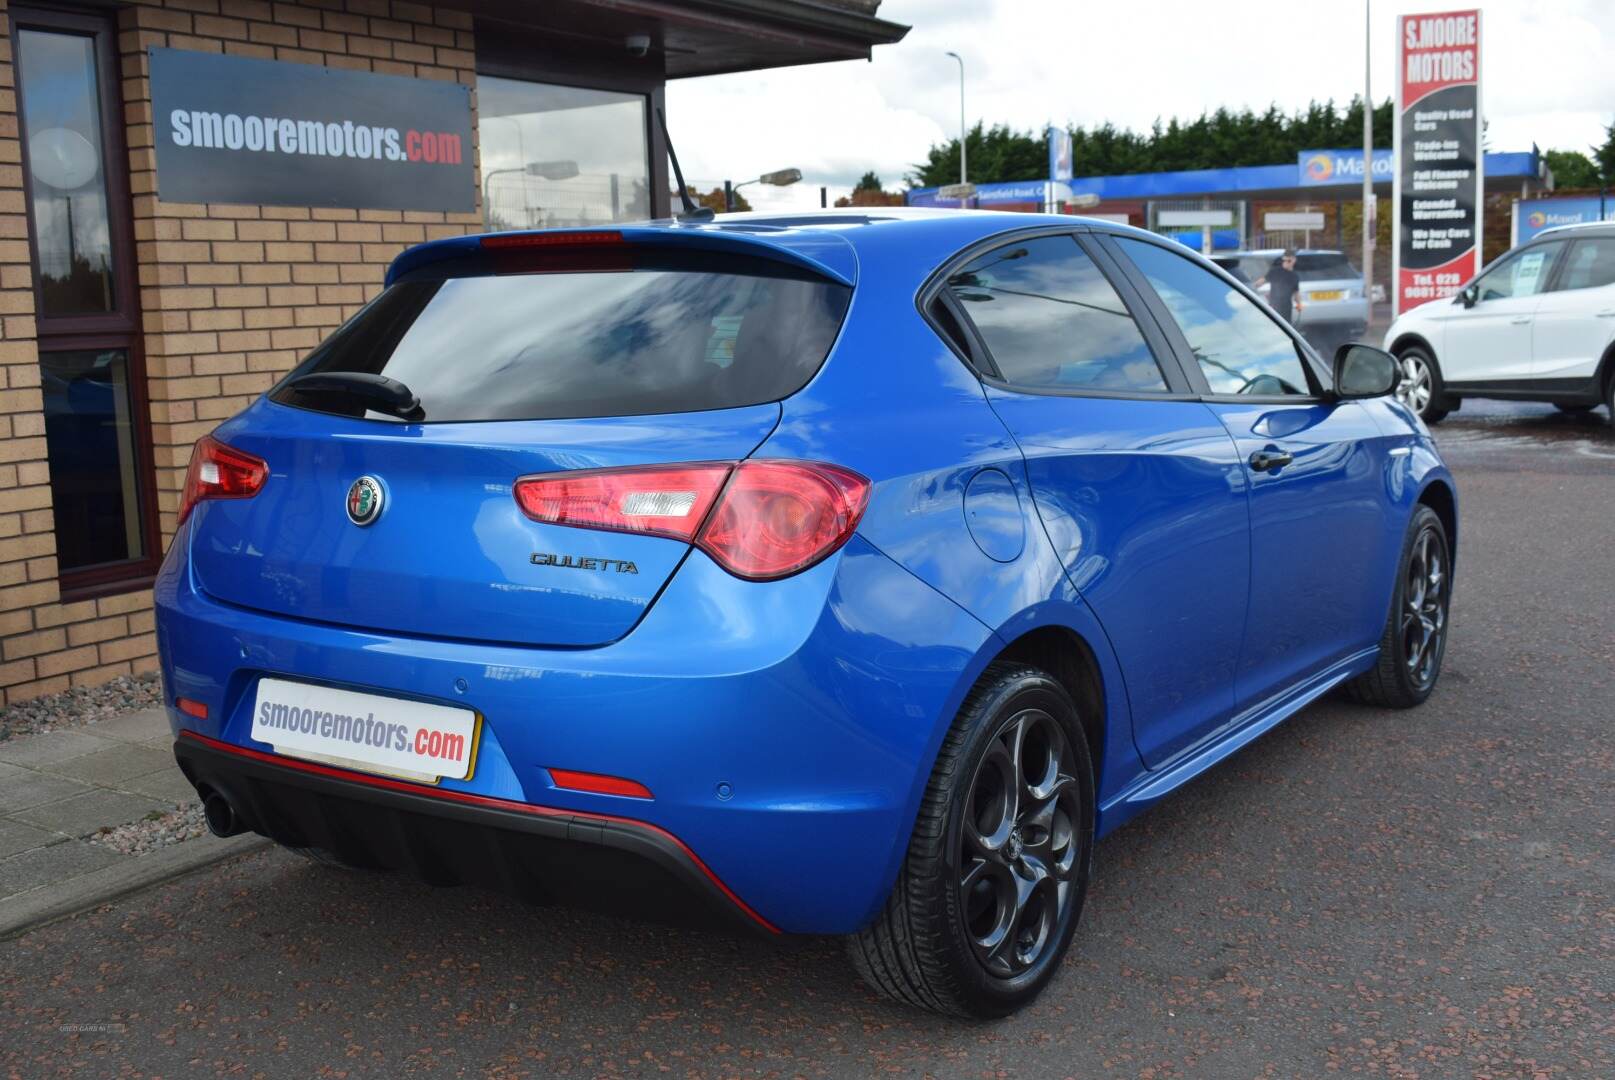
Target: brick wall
[[231, 298]]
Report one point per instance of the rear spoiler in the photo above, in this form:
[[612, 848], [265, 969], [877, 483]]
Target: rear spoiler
[[823, 253]]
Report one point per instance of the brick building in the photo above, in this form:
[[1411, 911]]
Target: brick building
[[131, 324]]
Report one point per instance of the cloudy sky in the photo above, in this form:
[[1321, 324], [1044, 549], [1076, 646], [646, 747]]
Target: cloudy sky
[[1547, 78]]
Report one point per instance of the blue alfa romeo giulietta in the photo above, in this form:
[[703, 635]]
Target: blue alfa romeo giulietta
[[827, 574]]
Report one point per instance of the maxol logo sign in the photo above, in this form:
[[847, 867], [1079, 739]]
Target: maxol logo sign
[[1533, 216], [1319, 167], [233, 129]]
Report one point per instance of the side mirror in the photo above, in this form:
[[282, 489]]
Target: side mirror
[[1468, 295], [1362, 371]]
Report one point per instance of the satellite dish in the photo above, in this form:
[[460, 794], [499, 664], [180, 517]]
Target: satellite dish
[[62, 158]]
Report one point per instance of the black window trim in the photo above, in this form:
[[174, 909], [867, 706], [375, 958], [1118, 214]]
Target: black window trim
[[1317, 373], [978, 358]]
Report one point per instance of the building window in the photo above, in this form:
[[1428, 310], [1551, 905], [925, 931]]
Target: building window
[[561, 155], [97, 437]]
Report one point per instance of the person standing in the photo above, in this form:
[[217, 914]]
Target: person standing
[[1284, 287]]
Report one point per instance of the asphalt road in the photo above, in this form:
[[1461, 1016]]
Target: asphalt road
[[1422, 894]]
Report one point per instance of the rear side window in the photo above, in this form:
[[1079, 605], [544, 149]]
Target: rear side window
[[647, 335], [1050, 319], [1590, 265]]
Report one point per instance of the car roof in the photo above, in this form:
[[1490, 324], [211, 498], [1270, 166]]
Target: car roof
[[831, 242], [1601, 228], [1273, 253]]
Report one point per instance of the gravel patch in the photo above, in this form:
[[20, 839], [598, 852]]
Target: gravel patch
[[81, 705], [156, 830]]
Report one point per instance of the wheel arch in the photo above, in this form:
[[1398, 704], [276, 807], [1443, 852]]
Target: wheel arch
[[1439, 496], [1410, 340], [1066, 657], [1606, 375]]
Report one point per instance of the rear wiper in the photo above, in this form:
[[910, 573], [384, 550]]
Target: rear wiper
[[383, 394]]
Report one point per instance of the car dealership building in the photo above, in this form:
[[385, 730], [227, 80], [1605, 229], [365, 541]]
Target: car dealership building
[[193, 193]]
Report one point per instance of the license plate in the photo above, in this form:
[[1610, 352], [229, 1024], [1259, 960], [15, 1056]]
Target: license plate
[[369, 732], [1329, 294]]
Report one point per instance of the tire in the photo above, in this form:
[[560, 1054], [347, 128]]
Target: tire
[[1403, 677], [986, 946], [1422, 388], [1609, 395]]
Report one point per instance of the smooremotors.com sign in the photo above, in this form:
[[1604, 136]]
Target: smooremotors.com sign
[[232, 129]]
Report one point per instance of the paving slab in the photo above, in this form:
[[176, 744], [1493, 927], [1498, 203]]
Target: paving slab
[[48, 748], [83, 814], [135, 727], [110, 880], [167, 785], [19, 836], [46, 866], [110, 767], [29, 789]]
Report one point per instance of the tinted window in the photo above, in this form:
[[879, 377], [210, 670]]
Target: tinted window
[[90, 441], [1240, 349], [1050, 319], [1590, 264], [1524, 273], [656, 339]]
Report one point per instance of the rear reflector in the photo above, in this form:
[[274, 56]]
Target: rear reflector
[[220, 472], [590, 238], [192, 708], [759, 520], [598, 784]]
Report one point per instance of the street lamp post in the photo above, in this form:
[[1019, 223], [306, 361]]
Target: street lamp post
[[963, 172], [778, 178], [1369, 205]]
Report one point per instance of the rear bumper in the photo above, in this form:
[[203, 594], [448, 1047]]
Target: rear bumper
[[539, 854], [785, 729]]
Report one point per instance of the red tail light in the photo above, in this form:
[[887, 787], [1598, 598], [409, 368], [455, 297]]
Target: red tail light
[[220, 472], [772, 518], [590, 238]]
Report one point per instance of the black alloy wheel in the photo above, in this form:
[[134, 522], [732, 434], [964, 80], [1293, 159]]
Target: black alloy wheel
[[1415, 637], [1018, 845], [990, 892]]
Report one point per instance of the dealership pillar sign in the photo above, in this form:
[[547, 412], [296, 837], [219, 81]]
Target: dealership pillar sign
[[1437, 197], [234, 129]]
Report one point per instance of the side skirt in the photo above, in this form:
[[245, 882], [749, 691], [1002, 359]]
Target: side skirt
[[1243, 730]]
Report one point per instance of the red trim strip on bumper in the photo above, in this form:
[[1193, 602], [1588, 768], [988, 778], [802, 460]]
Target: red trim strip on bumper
[[389, 784]]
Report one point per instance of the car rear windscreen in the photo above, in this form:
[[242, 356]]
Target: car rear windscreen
[[644, 335], [1323, 266]]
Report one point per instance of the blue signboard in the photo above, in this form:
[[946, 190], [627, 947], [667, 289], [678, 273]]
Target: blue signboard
[[1333, 168], [1009, 191], [1533, 215]]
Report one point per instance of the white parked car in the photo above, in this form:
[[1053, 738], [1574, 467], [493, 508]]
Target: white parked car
[[1538, 324]]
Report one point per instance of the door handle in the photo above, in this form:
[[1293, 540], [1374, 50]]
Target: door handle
[[1520, 320], [1269, 459], [1606, 315]]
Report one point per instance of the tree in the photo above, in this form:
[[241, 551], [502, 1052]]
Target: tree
[[1572, 169], [1213, 140], [1605, 156], [714, 199], [868, 192]]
